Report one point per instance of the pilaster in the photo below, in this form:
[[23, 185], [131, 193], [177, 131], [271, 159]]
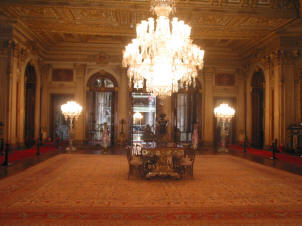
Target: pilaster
[[278, 92], [285, 109], [248, 102], [267, 104], [288, 75], [12, 111], [123, 101], [80, 72], [4, 86], [241, 105], [208, 133], [45, 75]]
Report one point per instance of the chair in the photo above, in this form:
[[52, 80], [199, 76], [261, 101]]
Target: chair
[[187, 163], [177, 156], [135, 164]]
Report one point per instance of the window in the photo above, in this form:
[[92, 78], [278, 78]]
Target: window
[[186, 105], [101, 102]]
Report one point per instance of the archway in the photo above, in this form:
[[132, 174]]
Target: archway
[[30, 100], [257, 97], [101, 107]]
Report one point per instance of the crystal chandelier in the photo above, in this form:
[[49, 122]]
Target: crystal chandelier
[[224, 111], [163, 52]]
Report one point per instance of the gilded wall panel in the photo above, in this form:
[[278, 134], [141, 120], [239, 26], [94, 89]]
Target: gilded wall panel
[[224, 79], [62, 75]]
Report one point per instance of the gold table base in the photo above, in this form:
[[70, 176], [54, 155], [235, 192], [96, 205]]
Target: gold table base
[[162, 171]]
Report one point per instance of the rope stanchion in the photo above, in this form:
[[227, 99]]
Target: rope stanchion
[[2, 146], [58, 143], [39, 143], [245, 144], [38, 147], [5, 163], [275, 147]]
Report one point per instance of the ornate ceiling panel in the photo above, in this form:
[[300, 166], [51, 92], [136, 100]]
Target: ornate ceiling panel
[[234, 24]]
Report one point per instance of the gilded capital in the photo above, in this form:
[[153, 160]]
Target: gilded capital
[[266, 61], [281, 56], [241, 73], [122, 70], [80, 69], [209, 73], [45, 68]]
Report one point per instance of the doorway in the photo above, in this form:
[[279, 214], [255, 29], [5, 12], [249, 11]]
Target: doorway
[[230, 125], [58, 125], [30, 101], [186, 104], [257, 97], [101, 104], [143, 115]]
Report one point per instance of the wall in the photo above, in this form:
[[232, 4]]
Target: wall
[[281, 67]]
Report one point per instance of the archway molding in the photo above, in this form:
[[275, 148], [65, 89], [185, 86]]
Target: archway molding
[[257, 70], [90, 96], [21, 99], [104, 74], [103, 71]]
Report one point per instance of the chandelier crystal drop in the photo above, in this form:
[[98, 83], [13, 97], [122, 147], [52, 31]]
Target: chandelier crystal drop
[[163, 53]]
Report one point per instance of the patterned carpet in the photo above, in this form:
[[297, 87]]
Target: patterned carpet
[[94, 190]]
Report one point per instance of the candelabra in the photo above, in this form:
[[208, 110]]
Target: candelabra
[[223, 113], [71, 110]]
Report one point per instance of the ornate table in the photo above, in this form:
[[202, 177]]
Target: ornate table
[[162, 162]]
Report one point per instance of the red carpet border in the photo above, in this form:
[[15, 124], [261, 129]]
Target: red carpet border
[[296, 160], [27, 153]]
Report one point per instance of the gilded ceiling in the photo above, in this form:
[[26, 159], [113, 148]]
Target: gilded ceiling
[[238, 25]]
